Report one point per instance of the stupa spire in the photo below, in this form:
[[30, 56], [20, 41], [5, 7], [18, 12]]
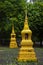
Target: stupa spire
[[26, 20], [13, 28], [13, 43], [26, 52]]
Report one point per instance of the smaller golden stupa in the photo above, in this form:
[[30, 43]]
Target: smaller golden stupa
[[13, 43], [26, 52]]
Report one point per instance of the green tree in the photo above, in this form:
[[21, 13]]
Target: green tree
[[37, 0], [35, 14], [9, 9]]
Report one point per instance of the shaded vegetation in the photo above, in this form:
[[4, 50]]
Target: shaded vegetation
[[16, 10]]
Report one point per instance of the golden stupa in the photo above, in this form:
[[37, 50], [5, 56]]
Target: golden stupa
[[26, 52], [13, 43]]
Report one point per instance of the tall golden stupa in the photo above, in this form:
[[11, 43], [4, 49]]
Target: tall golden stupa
[[13, 43], [26, 52]]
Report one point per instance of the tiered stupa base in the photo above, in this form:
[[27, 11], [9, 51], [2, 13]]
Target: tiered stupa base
[[27, 54], [13, 43]]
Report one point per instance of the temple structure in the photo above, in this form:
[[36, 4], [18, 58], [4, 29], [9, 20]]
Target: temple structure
[[26, 52], [13, 43]]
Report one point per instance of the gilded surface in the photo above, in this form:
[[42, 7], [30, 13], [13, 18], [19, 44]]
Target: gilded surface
[[13, 43], [26, 52]]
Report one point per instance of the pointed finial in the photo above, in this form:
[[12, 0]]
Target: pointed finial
[[26, 20], [26, 13], [13, 28], [12, 19]]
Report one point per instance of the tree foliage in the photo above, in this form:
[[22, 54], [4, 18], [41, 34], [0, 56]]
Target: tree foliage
[[35, 16], [16, 10], [11, 9], [37, 0]]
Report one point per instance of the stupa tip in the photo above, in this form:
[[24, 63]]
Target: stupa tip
[[12, 28]]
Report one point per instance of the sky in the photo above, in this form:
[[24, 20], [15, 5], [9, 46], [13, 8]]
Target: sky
[[28, 0]]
